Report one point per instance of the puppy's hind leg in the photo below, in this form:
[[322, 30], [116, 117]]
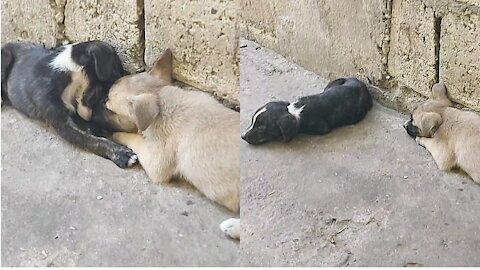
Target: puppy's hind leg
[[443, 157], [475, 176], [469, 162], [231, 227]]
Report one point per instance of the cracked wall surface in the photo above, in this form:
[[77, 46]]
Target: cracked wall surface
[[460, 58], [37, 24], [204, 41], [401, 46], [111, 21], [203, 36], [412, 45], [323, 36]]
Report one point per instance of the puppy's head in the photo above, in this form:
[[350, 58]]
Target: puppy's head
[[100, 58], [271, 122], [132, 102], [101, 64], [427, 117]]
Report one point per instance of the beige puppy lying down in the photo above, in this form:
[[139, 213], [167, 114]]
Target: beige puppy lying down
[[451, 135], [186, 134]]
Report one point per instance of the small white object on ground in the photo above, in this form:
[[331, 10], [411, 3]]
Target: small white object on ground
[[99, 197]]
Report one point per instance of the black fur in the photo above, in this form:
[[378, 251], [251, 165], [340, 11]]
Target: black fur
[[412, 130], [345, 101], [34, 88]]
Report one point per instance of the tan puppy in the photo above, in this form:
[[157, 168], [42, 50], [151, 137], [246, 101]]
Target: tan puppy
[[451, 135], [186, 134]]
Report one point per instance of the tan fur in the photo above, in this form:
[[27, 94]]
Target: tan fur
[[455, 140], [183, 133], [73, 94]]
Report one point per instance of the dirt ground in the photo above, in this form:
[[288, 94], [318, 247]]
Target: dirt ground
[[52, 215], [363, 195]]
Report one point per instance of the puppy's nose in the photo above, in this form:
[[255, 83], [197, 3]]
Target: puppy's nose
[[243, 135], [406, 124]]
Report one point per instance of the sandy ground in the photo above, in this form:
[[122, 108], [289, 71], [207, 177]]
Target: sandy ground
[[51, 215], [363, 195]]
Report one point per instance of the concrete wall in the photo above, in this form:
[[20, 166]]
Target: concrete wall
[[203, 38], [401, 46], [202, 34]]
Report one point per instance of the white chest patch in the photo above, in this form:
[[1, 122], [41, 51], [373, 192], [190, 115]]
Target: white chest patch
[[254, 119], [64, 62], [294, 110]]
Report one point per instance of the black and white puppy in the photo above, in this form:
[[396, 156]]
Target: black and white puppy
[[58, 85], [344, 101]]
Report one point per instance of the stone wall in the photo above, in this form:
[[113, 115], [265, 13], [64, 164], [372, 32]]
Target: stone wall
[[202, 34], [401, 46]]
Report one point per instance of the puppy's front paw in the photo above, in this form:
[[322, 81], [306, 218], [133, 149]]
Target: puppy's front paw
[[124, 157], [231, 227], [117, 137], [420, 141]]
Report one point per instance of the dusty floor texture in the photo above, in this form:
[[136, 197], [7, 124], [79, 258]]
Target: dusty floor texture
[[363, 195], [51, 215]]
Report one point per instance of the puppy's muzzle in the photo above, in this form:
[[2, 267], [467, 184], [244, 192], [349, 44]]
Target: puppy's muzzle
[[411, 129]]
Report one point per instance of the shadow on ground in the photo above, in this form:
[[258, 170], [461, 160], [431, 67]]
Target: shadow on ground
[[363, 195]]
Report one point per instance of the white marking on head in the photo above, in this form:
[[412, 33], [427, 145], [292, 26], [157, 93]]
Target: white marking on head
[[64, 62], [294, 110], [254, 119]]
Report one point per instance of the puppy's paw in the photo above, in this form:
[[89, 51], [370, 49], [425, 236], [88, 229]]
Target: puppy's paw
[[231, 227], [419, 140], [117, 137], [124, 157]]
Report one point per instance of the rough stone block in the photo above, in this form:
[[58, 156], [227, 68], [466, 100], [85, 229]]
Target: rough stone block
[[460, 58], [204, 41], [25, 20], [117, 22], [258, 21], [412, 58], [322, 36], [260, 14]]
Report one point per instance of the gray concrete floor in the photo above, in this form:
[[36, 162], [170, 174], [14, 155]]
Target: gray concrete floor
[[363, 195], [51, 215]]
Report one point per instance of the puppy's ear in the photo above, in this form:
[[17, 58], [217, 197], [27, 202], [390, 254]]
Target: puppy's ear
[[162, 68], [336, 82], [439, 93], [288, 125], [145, 110], [430, 123], [108, 66]]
